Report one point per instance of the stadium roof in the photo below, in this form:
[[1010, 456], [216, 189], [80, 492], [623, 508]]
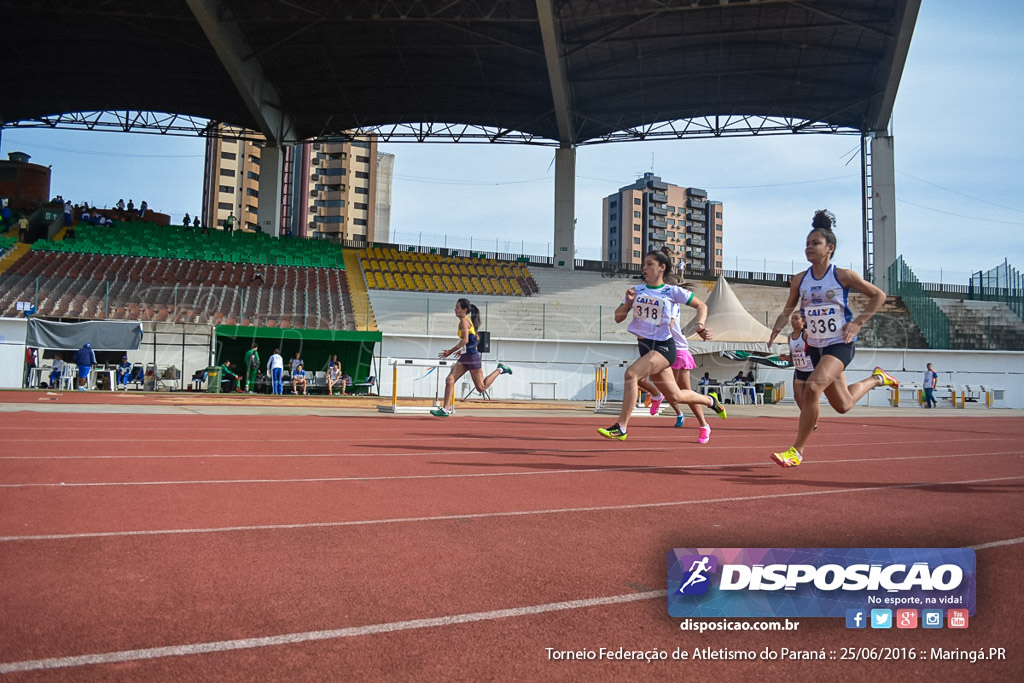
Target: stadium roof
[[546, 71]]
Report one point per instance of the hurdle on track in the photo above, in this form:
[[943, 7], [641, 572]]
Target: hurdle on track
[[601, 403], [396, 363]]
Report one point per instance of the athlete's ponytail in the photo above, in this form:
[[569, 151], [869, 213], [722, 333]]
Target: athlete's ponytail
[[472, 311], [670, 277]]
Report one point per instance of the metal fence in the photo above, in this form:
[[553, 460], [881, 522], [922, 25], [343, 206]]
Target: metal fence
[[930, 319], [1002, 283]]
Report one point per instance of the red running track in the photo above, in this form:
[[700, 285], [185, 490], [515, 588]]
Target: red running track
[[371, 548]]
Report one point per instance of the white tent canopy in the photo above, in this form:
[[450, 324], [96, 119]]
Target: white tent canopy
[[733, 327]]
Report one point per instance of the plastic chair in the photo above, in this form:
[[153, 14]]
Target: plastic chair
[[68, 374]]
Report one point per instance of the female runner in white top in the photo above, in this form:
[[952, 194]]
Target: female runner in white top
[[802, 365], [822, 292], [653, 313]]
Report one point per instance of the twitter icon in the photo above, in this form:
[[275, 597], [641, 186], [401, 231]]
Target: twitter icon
[[881, 618]]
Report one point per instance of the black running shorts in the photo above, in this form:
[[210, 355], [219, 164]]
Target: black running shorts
[[666, 348], [844, 352]]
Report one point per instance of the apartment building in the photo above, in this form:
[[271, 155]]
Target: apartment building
[[651, 214], [329, 188]]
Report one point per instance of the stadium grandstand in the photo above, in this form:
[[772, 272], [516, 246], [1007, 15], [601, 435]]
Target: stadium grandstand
[[160, 273], [413, 271]]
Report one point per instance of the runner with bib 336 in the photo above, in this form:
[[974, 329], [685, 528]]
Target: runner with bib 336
[[822, 292]]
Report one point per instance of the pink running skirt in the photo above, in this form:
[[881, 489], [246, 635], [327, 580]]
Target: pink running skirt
[[684, 360]]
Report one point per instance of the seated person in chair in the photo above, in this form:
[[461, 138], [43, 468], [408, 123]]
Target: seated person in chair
[[58, 367], [299, 380], [227, 375], [124, 373], [334, 376]]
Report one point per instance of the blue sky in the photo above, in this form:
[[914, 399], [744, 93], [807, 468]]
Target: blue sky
[[959, 168]]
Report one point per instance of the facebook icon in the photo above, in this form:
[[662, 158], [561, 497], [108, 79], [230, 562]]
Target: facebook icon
[[856, 618]]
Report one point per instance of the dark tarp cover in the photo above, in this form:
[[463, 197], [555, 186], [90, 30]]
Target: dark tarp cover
[[759, 358], [103, 335]]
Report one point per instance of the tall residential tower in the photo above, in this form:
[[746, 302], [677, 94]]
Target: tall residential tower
[[651, 214], [329, 188]]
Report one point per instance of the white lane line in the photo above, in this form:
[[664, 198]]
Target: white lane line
[[478, 475], [292, 638], [491, 515], [997, 544], [455, 450], [350, 632]]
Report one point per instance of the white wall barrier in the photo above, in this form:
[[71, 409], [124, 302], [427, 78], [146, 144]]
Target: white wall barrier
[[569, 365]]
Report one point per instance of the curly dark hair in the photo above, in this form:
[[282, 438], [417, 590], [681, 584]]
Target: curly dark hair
[[824, 221]]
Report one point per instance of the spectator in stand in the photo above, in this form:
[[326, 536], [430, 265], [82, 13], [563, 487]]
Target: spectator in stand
[[131, 207], [188, 221], [124, 373], [120, 208], [228, 375], [143, 208], [275, 370], [229, 222], [299, 379], [195, 222], [22, 229], [5, 216], [705, 380], [85, 358], [56, 370]]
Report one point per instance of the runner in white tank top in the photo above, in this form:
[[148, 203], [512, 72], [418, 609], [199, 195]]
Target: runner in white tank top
[[651, 307], [803, 366], [822, 293], [825, 305]]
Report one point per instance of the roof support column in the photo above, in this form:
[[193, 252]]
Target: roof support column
[[882, 207], [565, 208], [268, 212]]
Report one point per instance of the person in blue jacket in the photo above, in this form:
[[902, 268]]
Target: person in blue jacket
[[85, 358]]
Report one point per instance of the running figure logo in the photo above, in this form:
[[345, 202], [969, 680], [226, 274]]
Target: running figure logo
[[696, 581]]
